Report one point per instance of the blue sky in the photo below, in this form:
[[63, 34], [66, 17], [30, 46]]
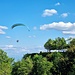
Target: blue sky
[[45, 18]]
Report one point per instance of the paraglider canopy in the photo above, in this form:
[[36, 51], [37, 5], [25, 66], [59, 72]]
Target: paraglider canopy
[[19, 24]]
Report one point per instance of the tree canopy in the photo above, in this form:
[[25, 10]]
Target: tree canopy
[[57, 44], [43, 63], [5, 63]]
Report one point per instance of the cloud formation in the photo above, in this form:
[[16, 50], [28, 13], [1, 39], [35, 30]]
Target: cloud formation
[[64, 15], [8, 37], [8, 47], [69, 32], [34, 27], [49, 12], [66, 28], [33, 36], [57, 4], [2, 28], [19, 50]]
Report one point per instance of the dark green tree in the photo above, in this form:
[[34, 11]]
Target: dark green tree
[[5, 63], [72, 42], [41, 66], [55, 58], [57, 44], [60, 43], [50, 45], [23, 67]]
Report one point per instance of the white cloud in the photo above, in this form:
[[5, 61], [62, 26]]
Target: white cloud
[[14, 48], [57, 4], [49, 12], [8, 37], [37, 49], [68, 32], [11, 47], [8, 47], [72, 36], [19, 52], [25, 50], [2, 32], [33, 36], [64, 15], [66, 28], [35, 28], [58, 25], [2, 28]]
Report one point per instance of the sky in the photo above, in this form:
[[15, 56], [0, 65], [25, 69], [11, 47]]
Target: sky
[[46, 19]]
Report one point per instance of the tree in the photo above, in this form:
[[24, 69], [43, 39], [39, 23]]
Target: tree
[[69, 60], [55, 58], [41, 66], [60, 43], [72, 42], [5, 63], [57, 44], [72, 72], [50, 45], [23, 67]]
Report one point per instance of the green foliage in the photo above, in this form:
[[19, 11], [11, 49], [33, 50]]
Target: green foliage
[[72, 42], [41, 65], [50, 45], [55, 58], [5, 64], [60, 43], [72, 72], [57, 44], [22, 67]]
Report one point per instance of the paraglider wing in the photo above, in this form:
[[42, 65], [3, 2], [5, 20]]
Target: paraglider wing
[[19, 24]]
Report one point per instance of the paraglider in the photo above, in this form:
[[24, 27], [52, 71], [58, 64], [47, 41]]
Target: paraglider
[[17, 41], [19, 24]]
